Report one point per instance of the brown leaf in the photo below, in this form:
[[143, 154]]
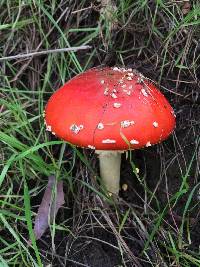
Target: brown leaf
[[49, 206], [186, 7]]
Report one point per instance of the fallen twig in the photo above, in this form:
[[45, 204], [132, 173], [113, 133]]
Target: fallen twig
[[44, 52]]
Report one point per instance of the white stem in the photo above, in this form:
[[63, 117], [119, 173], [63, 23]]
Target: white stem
[[110, 162]]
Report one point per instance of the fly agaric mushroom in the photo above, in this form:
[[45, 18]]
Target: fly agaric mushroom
[[110, 110]]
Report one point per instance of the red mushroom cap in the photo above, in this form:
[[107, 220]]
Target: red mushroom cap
[[110, 109]]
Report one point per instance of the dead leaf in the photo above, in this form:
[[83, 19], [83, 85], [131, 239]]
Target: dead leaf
[[49, 206], [186, 7]]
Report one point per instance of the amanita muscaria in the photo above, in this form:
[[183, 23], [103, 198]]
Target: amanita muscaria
[[110, 110]]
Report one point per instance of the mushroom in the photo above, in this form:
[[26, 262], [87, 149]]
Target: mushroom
[[110, 110]]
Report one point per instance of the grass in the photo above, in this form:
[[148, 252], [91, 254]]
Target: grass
[[156, 221]]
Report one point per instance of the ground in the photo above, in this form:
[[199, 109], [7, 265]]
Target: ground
[[155, 222]]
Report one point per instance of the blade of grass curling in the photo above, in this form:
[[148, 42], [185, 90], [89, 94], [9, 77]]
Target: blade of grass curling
[[28, 153]]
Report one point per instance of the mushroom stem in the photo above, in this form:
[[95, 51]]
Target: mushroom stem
[[110, 162]]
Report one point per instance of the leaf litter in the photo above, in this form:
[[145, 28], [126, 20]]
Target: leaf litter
[[52, 201]]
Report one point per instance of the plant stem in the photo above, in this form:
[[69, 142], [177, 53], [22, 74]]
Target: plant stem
[[110, 162]]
